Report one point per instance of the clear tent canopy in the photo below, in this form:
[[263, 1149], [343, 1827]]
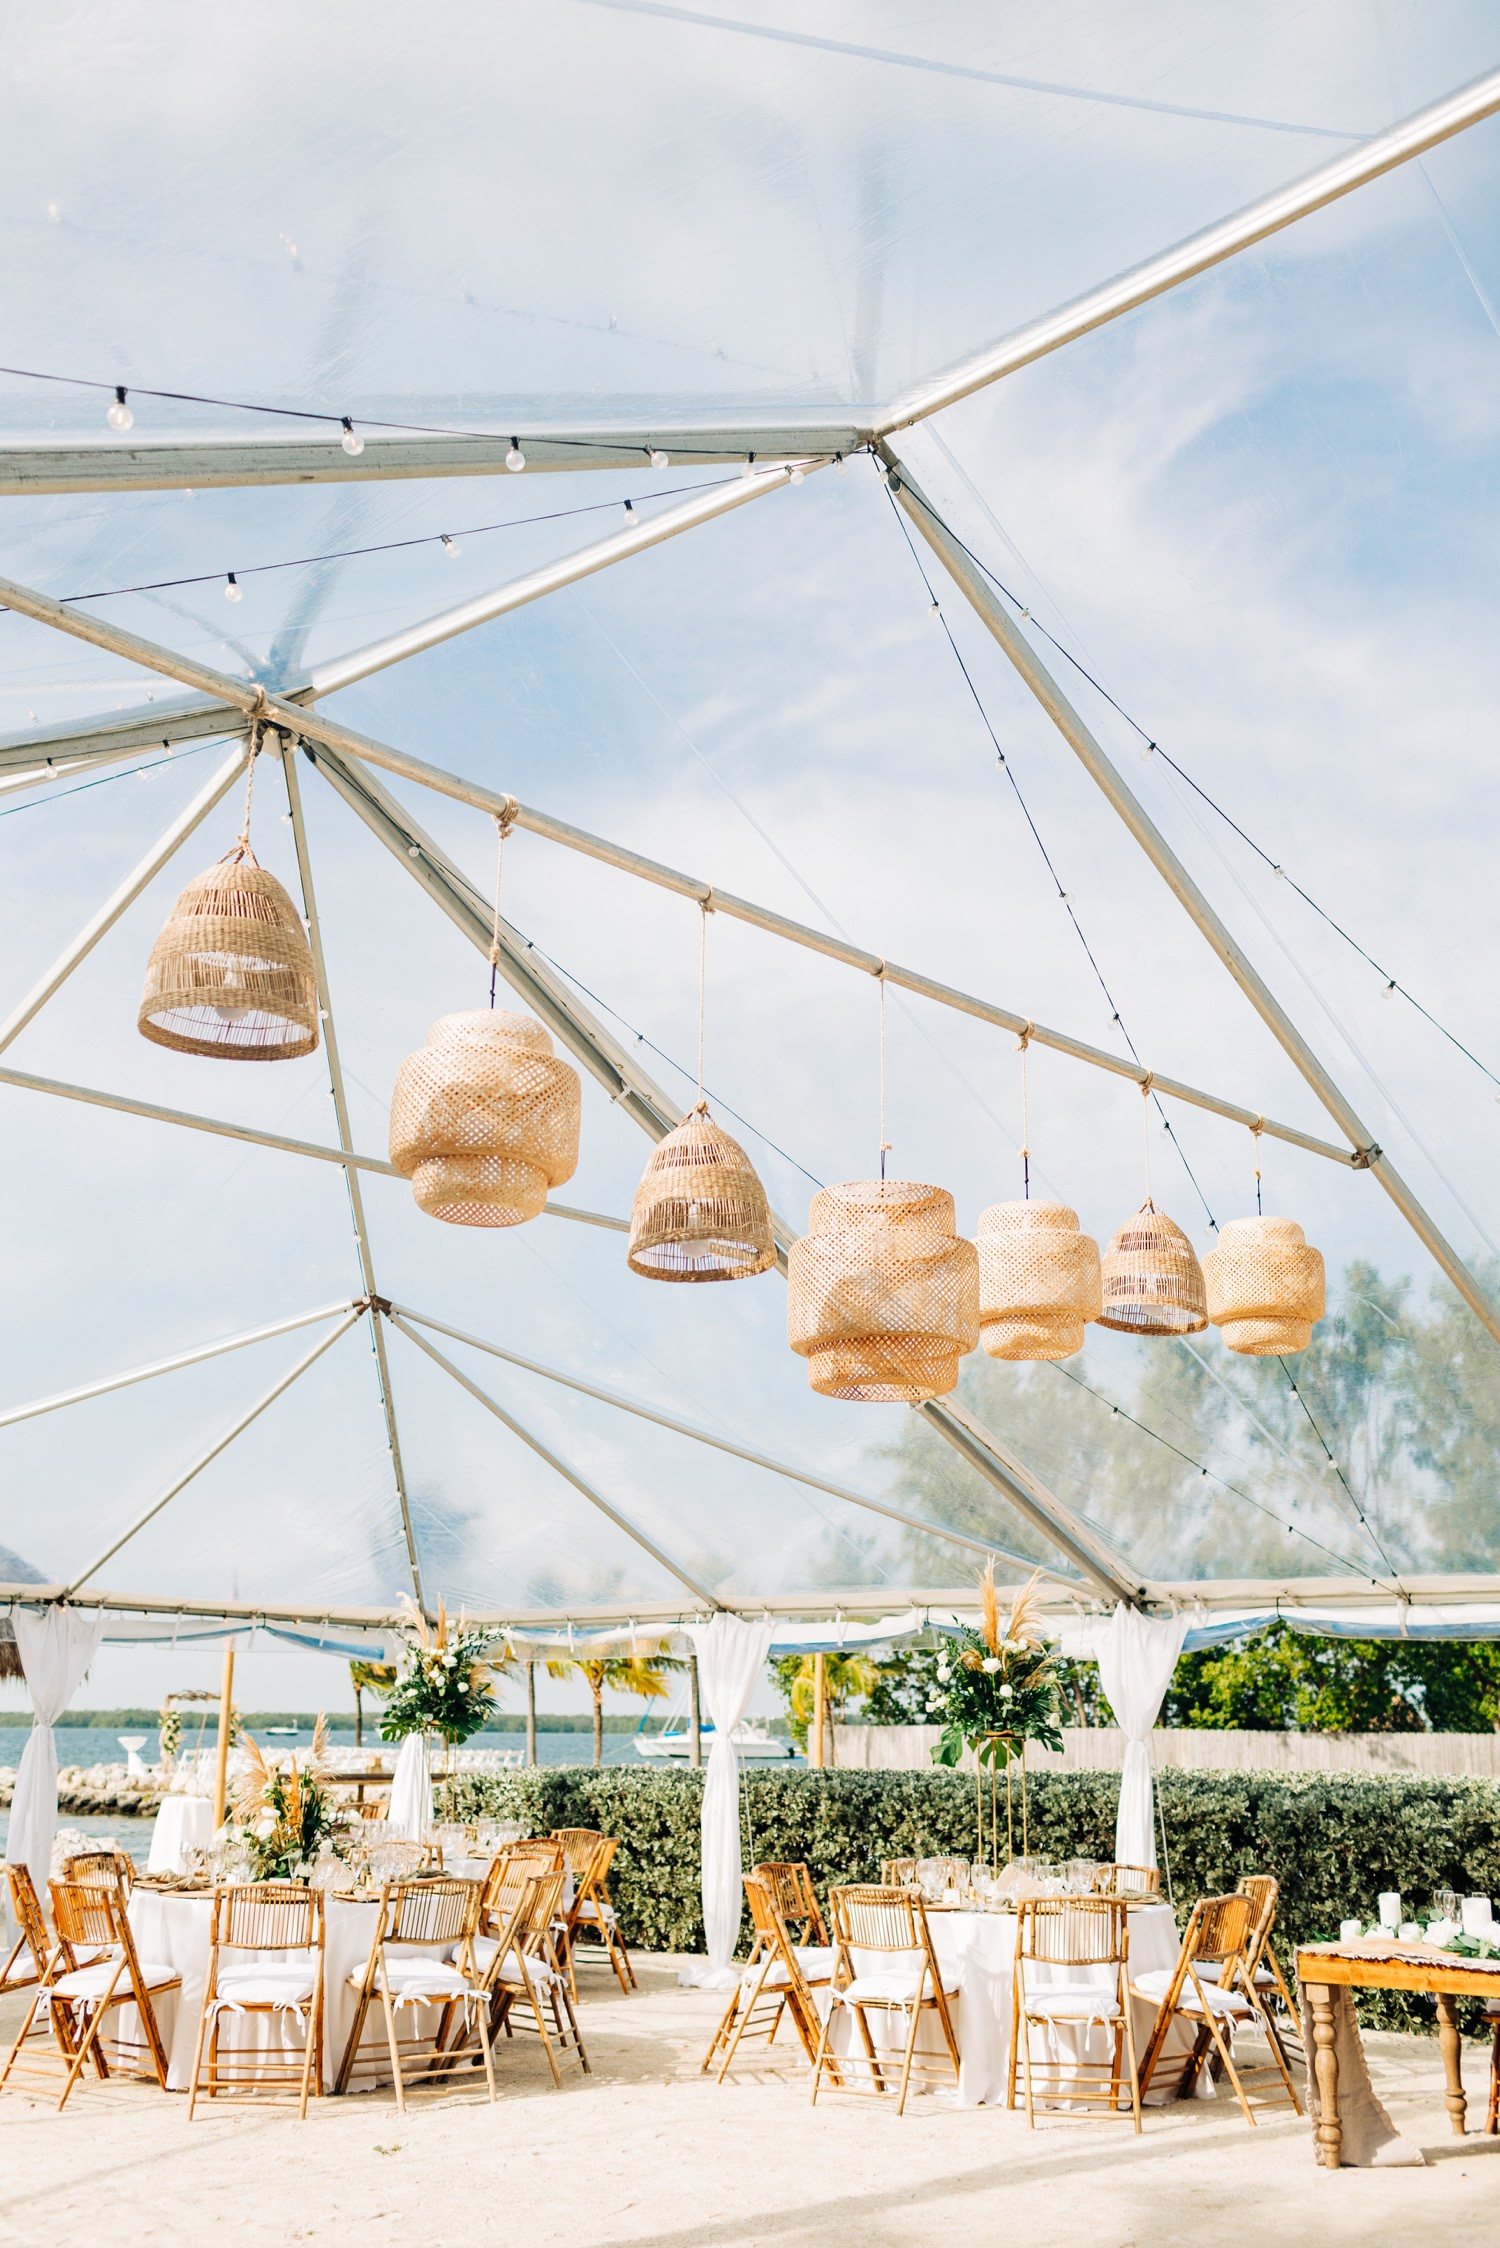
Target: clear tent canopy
[[566, 406]]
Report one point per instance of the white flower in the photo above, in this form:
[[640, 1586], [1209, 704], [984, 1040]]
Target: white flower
[[942, 1671], [990, 1664], [1007, 1693], [934, 1701], [450, 1662], [265, 1825]]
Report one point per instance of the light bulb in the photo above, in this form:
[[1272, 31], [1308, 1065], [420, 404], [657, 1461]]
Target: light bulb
[[119, 415], [796, 476], [632, 520], [658, 457], [749, 467], [515, 459], [1390, 989], [351, 440], [451, 546], [232, 590], [840, 465]]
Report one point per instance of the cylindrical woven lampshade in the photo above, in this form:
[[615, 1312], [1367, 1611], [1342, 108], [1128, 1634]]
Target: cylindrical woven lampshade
[[484, 1119], [700, 1211], [882, 1294], [1038, 1280], [1264, 1285], [232, 973], [1152, 1281]]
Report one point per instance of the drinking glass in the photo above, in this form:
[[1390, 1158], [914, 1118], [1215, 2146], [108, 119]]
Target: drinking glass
[[1445, 1905]]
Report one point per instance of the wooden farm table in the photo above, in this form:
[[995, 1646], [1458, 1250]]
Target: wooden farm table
[[1373, 1965]]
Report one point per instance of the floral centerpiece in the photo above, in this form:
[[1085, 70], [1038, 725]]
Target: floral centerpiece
[[445, 1682], [284, 1817], [996, 1690]]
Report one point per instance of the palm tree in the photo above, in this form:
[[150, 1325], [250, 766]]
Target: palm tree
[[368, 1678], [644, 1675], [843, 1677]]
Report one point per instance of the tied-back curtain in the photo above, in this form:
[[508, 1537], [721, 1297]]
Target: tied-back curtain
[[56, 1648], [1136, 1655], [410, 1813], [732, 1654]]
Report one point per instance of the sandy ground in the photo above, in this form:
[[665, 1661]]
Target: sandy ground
[[648, 2150]]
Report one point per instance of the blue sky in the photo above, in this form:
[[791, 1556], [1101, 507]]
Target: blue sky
[[1259, 511]]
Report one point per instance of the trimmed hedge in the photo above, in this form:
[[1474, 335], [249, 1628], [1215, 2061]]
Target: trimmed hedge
[[1332, 1841]]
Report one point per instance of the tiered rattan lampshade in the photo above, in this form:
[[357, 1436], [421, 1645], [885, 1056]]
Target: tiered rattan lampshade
[[484, 1119], [882, 1294], [231, 974], [1038, 1280], [700, 1211], [1264, 1284], [1152, 1281]]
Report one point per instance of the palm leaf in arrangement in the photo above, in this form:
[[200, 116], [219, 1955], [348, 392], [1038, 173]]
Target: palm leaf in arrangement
[[1025, 1624]]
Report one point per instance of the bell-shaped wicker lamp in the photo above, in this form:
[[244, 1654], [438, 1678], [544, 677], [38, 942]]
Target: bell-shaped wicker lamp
[[882, 1293], [1152, 1280], [1038, 1280], [1264, 1283], [700, 1211], [484, 1119], [231, 974]]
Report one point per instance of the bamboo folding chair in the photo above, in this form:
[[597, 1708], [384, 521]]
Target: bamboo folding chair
[[102, 1869], [591, 1912], [26, 1962], [905, 1978], [778, 1980], [1205, 1989], [514, 1950], [792, 1892], [1111, 1880], [418, 1919], [1059, 1933], [1262, 1976], [66, 2016], [1492, 2116], [259, 1917]]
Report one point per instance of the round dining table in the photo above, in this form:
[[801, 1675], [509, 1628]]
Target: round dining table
[[978, 1950]]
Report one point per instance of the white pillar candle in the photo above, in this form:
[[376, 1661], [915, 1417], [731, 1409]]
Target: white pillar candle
[[1476, 1916], [1388, 1905], [1350, 1931], [1411, 1932]]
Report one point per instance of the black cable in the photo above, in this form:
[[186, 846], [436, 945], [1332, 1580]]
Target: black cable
[[340, 421], [1024, 614], [1364, 1519], [1341, 1559], [171, 758], [395, 546], [1063, 895]]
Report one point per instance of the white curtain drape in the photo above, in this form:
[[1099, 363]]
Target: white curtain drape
[[56, 1648], [1136, 1655], [732, 1654], [410, 1815]]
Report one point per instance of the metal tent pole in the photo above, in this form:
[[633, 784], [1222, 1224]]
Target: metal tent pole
[[351, 1175], [559, 1466], [1123, 801], [1267, 215], [130, 889], [222, 1444]]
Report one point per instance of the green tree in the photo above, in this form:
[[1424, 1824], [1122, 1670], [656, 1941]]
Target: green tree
[[844, 1678], [644, 1675], [1283, 1681], [368, 1678]]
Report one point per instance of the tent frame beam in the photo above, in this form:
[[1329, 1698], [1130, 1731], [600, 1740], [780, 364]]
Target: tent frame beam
[[559, 1466], [716, 1443], [221, 1444], [1128, 808]]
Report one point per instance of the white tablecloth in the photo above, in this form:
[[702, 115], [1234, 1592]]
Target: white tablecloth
[[173, 1930], [979, 1950], [184, 1822]]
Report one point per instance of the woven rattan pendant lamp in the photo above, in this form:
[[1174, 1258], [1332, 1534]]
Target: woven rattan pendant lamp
[[1038, 1272], [700, 1211], [1152, 1283], [1265, 1286], [485, 1116], [232, 974], [882, 1290]]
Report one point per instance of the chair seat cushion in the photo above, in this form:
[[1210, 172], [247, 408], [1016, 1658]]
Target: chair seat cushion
[[511, 1969], [589, 1910], [1156, 1982], [896, 1988], [817, 1962], [1073, 2002], [413, 1980], [265, 1986], [94, 1981]]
